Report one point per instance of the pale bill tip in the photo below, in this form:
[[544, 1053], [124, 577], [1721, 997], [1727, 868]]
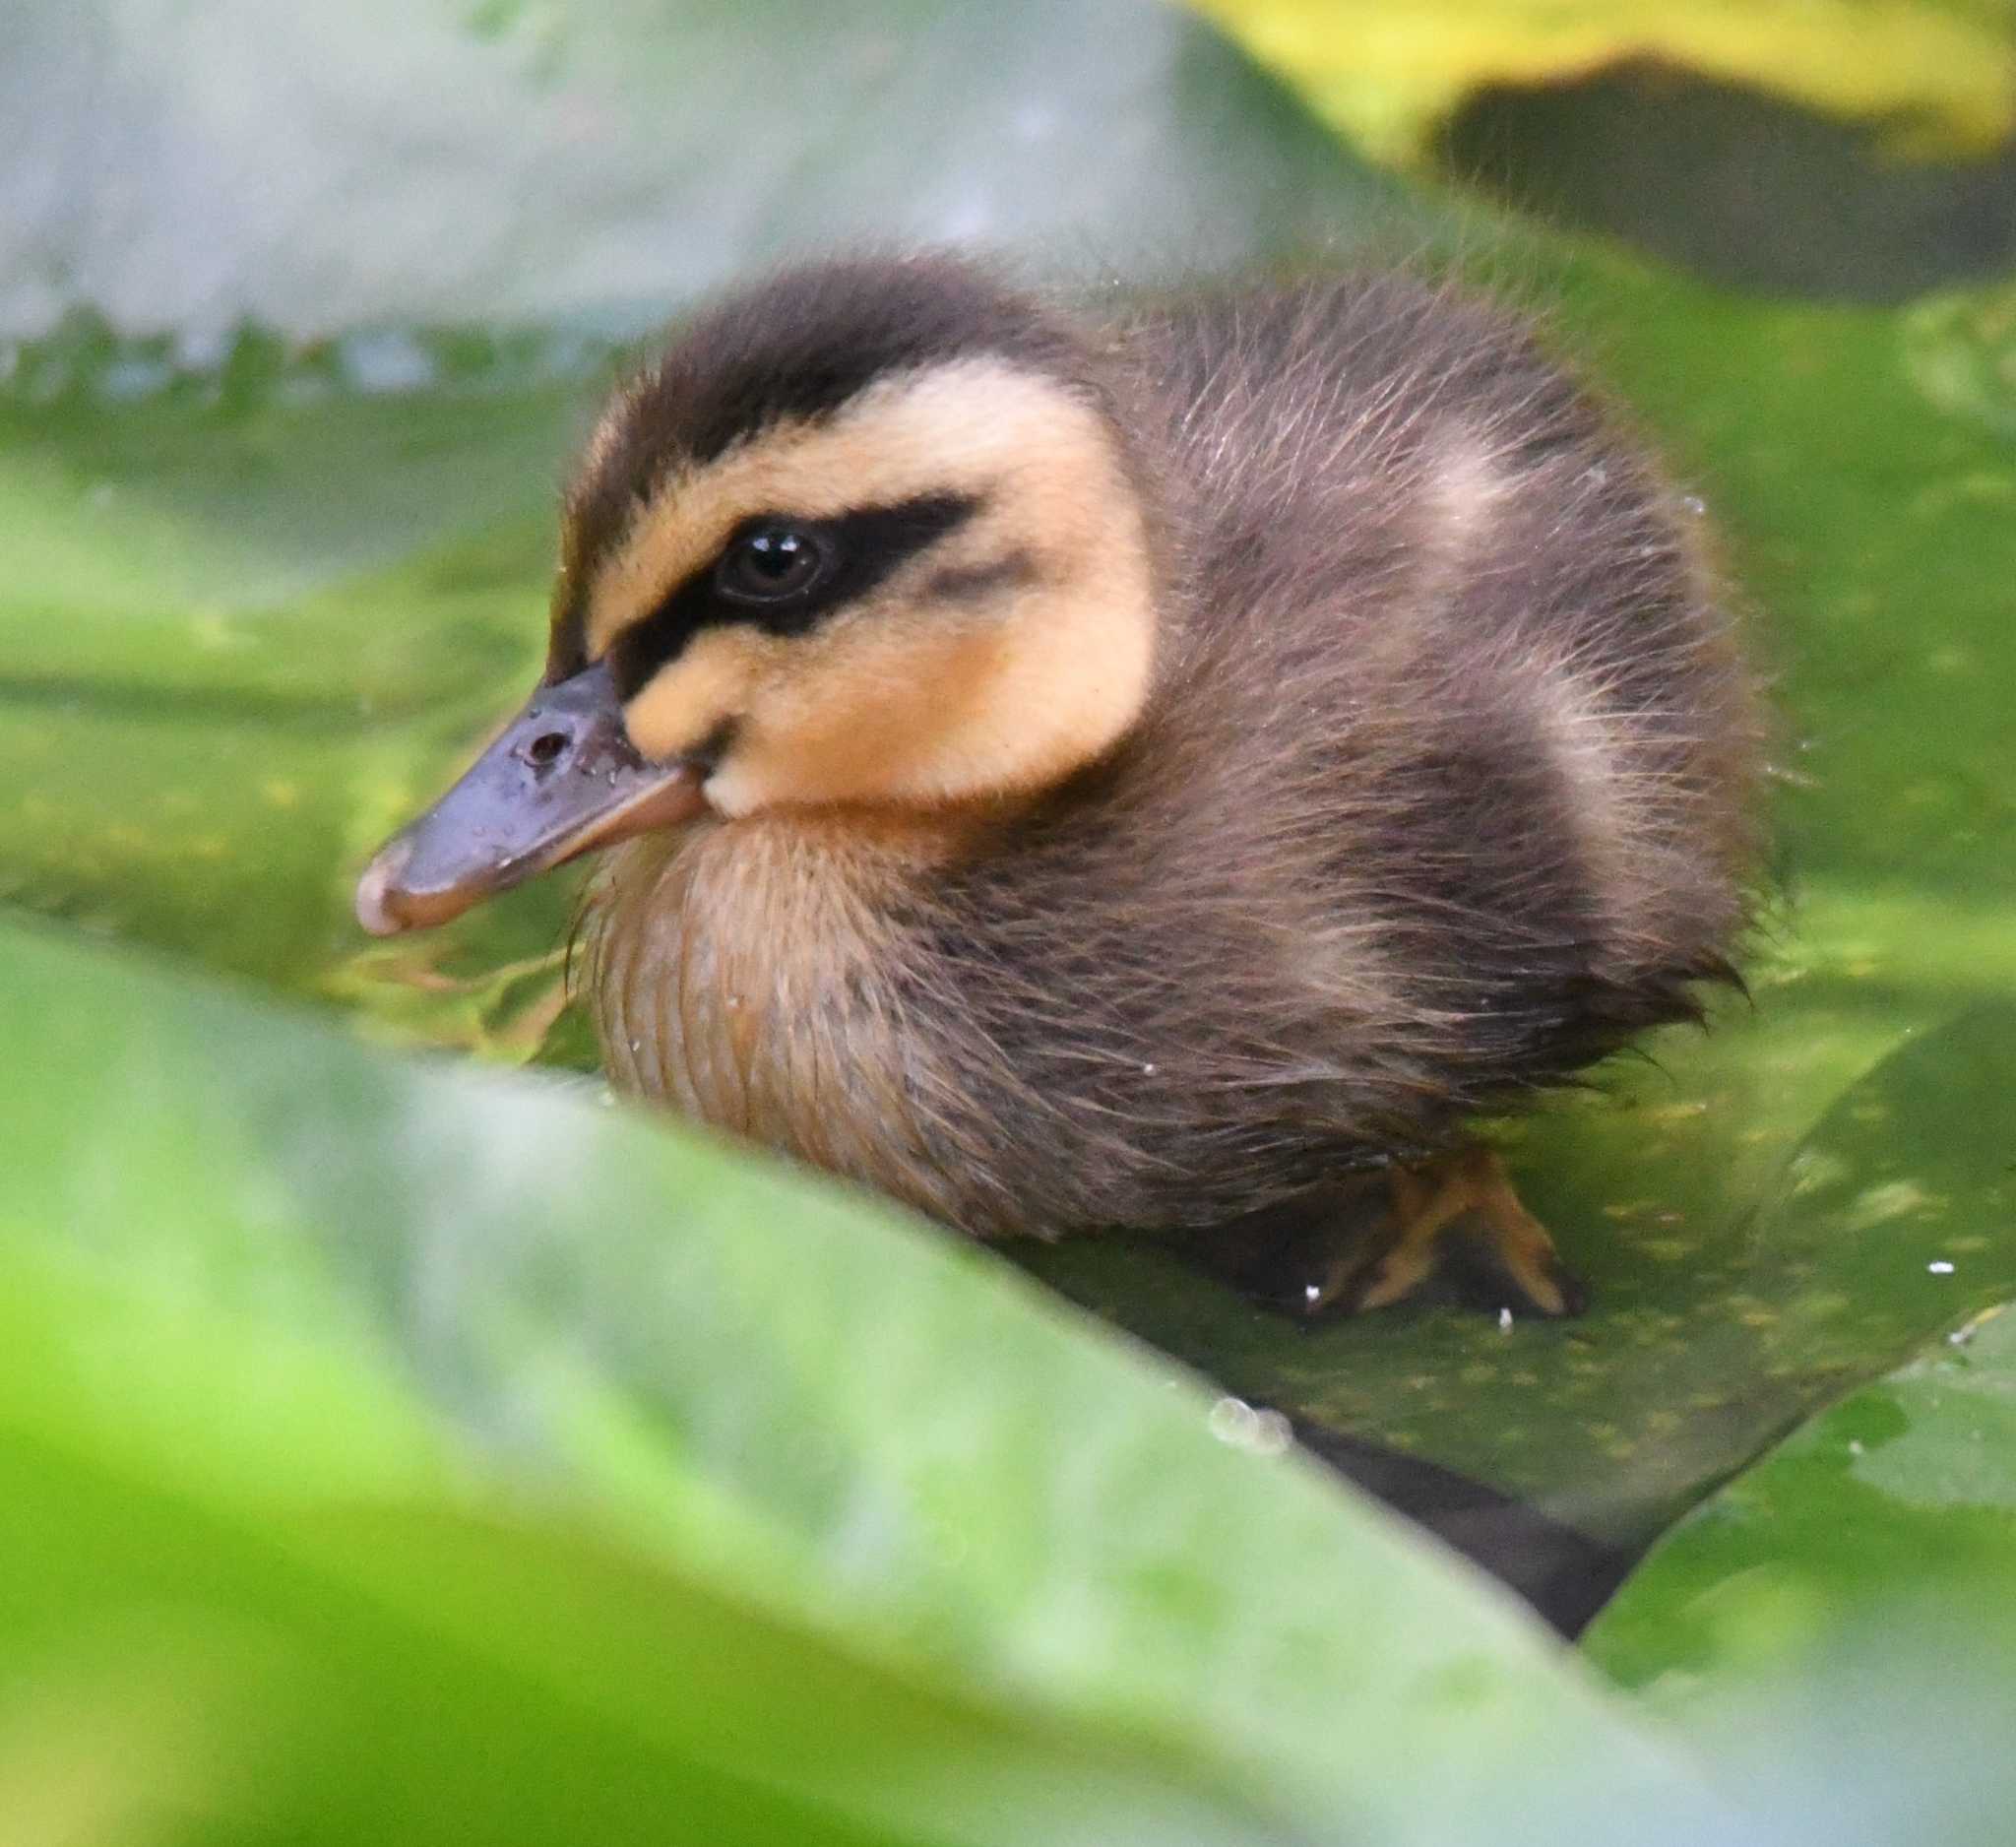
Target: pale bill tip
[[374, 891]]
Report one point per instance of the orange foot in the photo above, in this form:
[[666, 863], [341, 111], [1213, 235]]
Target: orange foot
[[1460, 1212]]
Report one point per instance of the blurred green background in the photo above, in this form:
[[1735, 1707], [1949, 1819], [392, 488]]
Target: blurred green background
[[398, 1447]]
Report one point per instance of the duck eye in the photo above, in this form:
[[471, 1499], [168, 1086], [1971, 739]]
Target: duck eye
[[767, 565]]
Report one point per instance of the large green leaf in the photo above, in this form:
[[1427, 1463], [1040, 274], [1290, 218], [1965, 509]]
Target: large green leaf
[[263, 594], [1837, 1626], [181, 1669], [399, 1430], [398, 162], [1908, 1483]]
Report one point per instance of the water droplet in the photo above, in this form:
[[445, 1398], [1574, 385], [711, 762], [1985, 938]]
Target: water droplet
[[1694, 504], [1260, 1433]]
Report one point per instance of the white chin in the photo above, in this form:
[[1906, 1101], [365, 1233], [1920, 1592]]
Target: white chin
[[731, 795]]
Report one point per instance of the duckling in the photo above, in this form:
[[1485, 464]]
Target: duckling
[[1155, 765]]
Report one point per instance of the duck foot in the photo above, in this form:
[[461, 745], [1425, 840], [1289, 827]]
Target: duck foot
[[1458, 1214]]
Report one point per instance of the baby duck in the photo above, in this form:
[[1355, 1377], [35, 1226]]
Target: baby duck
[[1149, 766]]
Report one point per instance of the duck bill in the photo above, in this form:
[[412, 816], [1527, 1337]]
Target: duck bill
[[561, 779]]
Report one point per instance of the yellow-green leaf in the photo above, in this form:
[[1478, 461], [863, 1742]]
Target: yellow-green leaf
[[1943, 76]]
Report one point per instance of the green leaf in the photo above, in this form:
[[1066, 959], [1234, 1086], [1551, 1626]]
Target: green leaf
[[1834, 1630], [400, 162], [402, 1428], [1910, 1482], [181, 1671], [222, 678]]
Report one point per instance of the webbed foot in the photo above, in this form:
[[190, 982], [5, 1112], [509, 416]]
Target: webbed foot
[[1457, 1215]]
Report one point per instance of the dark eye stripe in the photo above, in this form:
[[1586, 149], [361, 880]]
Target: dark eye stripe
[[967, 583], [865, 545]]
